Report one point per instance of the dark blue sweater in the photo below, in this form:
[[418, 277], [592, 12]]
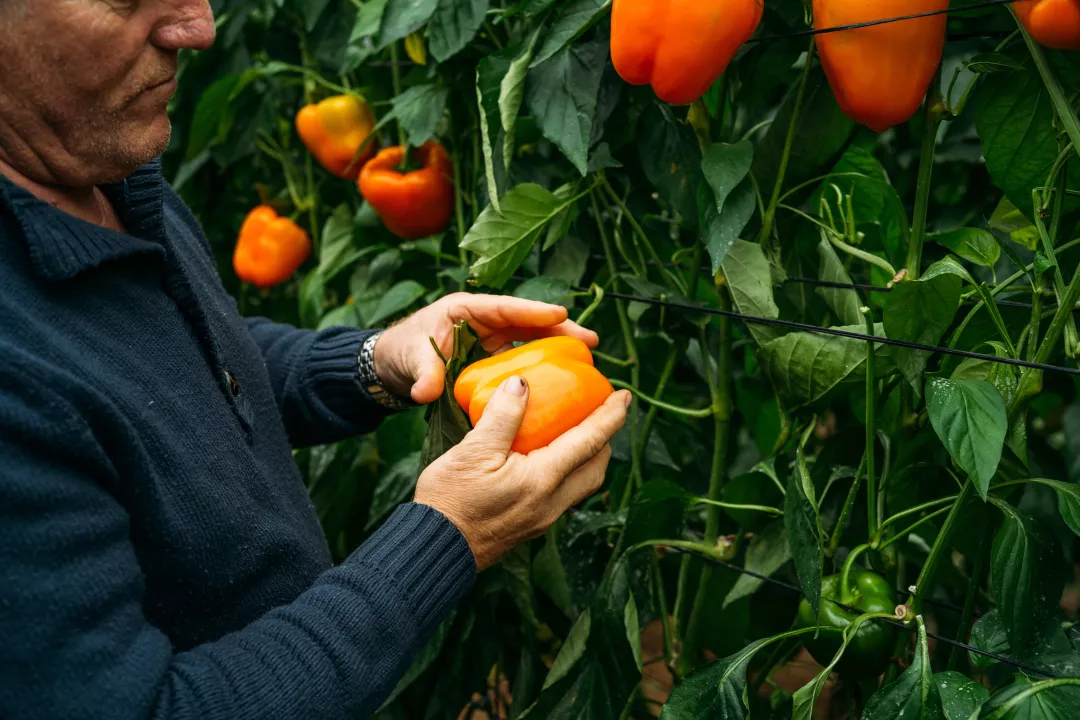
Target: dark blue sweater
[[159, 556]]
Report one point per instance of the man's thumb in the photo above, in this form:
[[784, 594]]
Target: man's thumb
[[504, 412]]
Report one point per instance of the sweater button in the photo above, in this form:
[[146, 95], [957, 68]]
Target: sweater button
[[233, 385]]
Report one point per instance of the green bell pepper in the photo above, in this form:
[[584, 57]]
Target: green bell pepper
[[869, 652]]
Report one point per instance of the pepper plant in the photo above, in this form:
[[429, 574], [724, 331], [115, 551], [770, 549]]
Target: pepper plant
[[854, 353]]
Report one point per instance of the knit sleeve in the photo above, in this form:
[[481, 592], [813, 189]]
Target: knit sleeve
[[76, 643], [316, 381]]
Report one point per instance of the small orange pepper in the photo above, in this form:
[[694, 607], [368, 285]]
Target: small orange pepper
[[270, 248], [1053, 23], [335, 132], [564, 388], [413, 204]]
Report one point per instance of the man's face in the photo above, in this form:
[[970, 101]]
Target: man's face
[[97, 76]]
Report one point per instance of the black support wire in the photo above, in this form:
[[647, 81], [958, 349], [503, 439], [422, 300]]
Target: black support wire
[[835, 332], [883, 21], [795, 589]]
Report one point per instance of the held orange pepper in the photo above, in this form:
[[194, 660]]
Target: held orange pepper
[[680, 47], [564, 388], [880, 74], [335, 130], [1053, 23], [414, 204], [270, 248]]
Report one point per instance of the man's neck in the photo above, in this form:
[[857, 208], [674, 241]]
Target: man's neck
[[84, 203]]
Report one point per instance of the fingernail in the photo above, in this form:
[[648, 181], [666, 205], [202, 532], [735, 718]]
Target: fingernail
[[514, 385], [628, 399]]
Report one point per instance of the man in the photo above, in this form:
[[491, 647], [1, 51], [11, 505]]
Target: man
[[159, 556]]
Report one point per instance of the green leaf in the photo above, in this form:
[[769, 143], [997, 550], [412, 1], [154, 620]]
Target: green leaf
[[914, 695], [720, 230], [715, 691], [970, 419], [454, 25], [312, 10], [1024, 700], [447, 423], [393, 487], [403, 17], [517, 572], [419, 110], [988, 634], [1025, 571], [397, 299], [802, 525], [804, 366], [573, 19], [562, 97], [211, 114], [343, 316], [1007, 218], [1068, 495], [336, 244], [992, 62], [972, 244], [920, 312], [511, 94], [1015, 122], [361, 43], [960, 696], [671, 159], [749, 276], [843, 301], [490, 75], [767, 553], [503, 241], [725, 166], [545, 289]]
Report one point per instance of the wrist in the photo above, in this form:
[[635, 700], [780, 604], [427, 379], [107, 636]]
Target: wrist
[[376, 380]]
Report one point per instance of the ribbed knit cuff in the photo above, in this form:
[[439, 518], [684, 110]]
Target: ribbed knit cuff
[[333, 377], [426, 556]]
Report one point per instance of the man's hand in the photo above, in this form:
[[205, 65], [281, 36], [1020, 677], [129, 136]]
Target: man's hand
[[498, 498], [410, 367]]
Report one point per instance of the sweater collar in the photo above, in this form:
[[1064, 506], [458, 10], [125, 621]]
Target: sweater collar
[[62, 246]]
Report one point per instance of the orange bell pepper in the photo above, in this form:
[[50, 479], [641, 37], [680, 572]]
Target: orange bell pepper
[[564, 388], [680, 47], [880, 74], [335, 131], [270, 248], [1053, 23], [413, 204]]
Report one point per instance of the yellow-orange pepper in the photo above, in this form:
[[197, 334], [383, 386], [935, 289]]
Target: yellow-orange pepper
[[335, 131], [1053, 23], [680, 47], [564, 388], [880, 74], [270, 248]]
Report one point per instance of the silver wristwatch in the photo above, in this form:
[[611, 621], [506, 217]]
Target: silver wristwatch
[[369, 379]]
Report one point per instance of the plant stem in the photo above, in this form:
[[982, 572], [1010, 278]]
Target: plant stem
[[639, 233], [702, 413], [650, 417], [769, 219], [737, 506], [916, 510], [720, 389], [906, 531], [665, 618], [931, 122], [969, 598], [941, 544], [871, 427], [845, 573], [395, 74], [845, 512]]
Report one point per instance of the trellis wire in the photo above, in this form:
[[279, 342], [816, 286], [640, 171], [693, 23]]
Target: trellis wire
[[883, 21], [793, 588], [804, 327]]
